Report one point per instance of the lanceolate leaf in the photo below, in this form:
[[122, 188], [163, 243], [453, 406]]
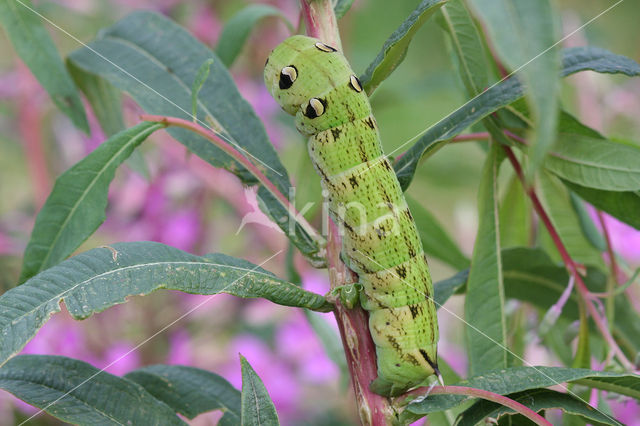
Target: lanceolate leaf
[[484, 302], [105, 100], [555, 198], [467, 45], [452, 125], [190, 391], [79, 393], [100, 278], [435, 240], [395, 48], [518, 379], [443, 290], [586, 223], [621, 205], [35, 47], [586, 158], [596, 59], [143, 54], [257, 407], [515, 215], [76, 206], [524, 34], [236, 31], [537, 399], [499, 96]]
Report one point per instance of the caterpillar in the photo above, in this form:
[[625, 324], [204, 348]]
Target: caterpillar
[[314, 82]]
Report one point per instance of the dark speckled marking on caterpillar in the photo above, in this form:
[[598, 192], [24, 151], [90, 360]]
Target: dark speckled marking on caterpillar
[[315, 83]]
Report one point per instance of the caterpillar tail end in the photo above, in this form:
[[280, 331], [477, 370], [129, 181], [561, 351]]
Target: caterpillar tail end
[[438, 375]]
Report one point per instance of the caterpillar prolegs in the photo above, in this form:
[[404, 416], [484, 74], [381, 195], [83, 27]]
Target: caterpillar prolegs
[[314, 82]]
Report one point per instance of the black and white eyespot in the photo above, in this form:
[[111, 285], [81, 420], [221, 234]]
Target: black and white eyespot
[[325, 47], [288, 75], [355, 83], [315, 108]]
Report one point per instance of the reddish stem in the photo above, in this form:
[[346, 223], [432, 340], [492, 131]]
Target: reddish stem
[[353, 323], [321, 21], [571, 266], [233, 153], [359, 348], [484, 394], [480, 136]]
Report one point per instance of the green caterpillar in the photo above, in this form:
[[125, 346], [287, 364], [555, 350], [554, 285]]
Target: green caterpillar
[[314, 82]]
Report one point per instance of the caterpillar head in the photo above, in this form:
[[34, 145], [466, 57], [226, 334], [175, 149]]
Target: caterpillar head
[[314, 82]]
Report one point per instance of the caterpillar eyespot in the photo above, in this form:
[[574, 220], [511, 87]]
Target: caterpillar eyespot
[[315, 108], [355, 83], [325, 47], [288, 75], [380, 242]]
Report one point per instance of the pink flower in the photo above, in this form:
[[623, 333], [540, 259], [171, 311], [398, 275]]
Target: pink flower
[[180, 351], [182, 230], [120, 358]]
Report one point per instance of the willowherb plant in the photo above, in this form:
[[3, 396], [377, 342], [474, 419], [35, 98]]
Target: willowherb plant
[[374, 240]]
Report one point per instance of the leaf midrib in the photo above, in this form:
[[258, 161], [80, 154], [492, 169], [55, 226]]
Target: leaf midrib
[[130, 267]]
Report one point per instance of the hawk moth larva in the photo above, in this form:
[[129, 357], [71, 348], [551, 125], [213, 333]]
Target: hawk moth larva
[[314, 82]]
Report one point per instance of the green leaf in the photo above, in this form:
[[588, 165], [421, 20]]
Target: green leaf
[[515, 215], [595, 162], [236, 31], [596, 59], [444, 289], [467, 45], [496, 97], [76, 206], [144, 55], [76, 392], [102, 277], [105, 99], [35, 47], [586, 223], [435, 240], [555, 199], [190, 391], [524, 34], [621, 205], [439, 134], [201, 77], [484, 302], [341, 7], [519, 379], [395, 48], [582, 358], [257, 407], [537, 400]]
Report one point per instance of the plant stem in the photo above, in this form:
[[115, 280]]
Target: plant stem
[[353, 323], [484, 394], [360, 350], [321, 21], [237, 156], [569, 263]]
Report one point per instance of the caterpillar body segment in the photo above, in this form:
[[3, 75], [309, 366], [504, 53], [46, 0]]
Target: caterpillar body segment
[[380, 242]]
